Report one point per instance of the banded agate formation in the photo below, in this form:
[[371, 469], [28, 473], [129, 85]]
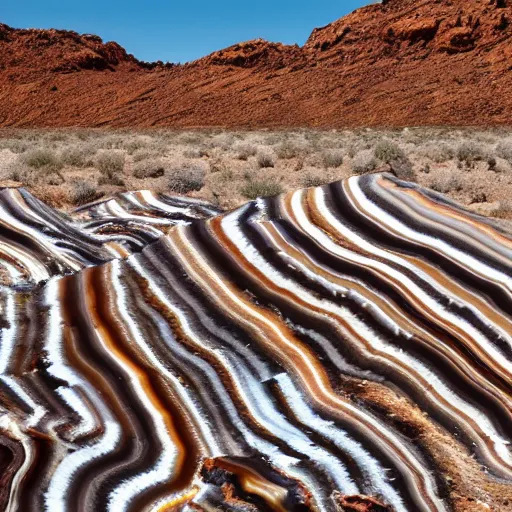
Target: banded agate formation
[[38, 242], [346, 347]]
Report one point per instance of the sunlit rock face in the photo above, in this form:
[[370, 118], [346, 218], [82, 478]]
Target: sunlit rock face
[[338, 348]]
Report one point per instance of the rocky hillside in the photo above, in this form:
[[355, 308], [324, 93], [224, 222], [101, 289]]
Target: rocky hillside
[[33, 52], [401, 62]]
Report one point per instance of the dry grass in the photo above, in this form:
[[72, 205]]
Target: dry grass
[[150, 168], [19, 172], [43, 159], [245, 151], [474, 167], [504, 150], [183, 181], [262, 188], [332, 159], [438, 153], [110, 163], [446, 182], [83, 192], [289, 149], [314, 180], [80, 156], [470, 152], [364, 162], [15, 145], [387, 151], [266, 160]]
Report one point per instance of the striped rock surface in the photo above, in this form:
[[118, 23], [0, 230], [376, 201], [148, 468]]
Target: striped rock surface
[[138, 218], [37, 242], [340, 348]]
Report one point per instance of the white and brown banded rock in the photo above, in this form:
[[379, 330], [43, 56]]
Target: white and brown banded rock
[[37, 242], [344, 346]]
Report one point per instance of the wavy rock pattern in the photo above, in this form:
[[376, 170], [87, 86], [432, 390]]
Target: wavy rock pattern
[[338, 348], [37, 242]]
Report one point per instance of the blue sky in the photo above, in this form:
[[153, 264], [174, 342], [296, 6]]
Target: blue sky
[[179, 31]]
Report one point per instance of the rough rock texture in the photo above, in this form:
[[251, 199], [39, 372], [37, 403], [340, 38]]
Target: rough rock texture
[[32, 53], [345, 348], [402, 62]]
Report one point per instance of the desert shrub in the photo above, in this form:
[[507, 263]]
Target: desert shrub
[[504, 150], [387, 151], [226, 176], [138, 156], [438, 153], [14, 145], [332, 158], [314, 180], [110, 141], [19, 171], [110, 162], [313, 137], [114, 179], [353, 150], [469, 153], [402, 169], [78, 156], [261, 188], [183, 181], [223, 141], [194, 153], [244, 151], [288, 150], [158, 146], [133, 144], [299, 165], [446, 182], [111, 165], [272, 139], [143, 154], [191, 138], [217, 164], [390, 153], [56, 136], [265, 160], [329, 142], [204, 151], [42, 159], [54, 179], [151, 168], [84, 135], [83, 192], [364, 162]]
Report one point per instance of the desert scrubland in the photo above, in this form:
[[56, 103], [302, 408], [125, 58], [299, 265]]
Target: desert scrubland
[[68, 168]]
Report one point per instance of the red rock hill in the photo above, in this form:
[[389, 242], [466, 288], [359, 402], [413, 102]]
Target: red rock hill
[[398, 63]]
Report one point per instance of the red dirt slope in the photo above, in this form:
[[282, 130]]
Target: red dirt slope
[[402, 62]]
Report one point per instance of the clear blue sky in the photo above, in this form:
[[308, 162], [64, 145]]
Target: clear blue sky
[[179, 31]]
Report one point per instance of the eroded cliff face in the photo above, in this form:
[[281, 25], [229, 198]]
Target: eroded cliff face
[[414, 28], [396, 63]]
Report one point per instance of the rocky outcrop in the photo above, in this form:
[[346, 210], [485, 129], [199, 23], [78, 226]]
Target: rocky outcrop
[[32, 52], [256, 53]]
